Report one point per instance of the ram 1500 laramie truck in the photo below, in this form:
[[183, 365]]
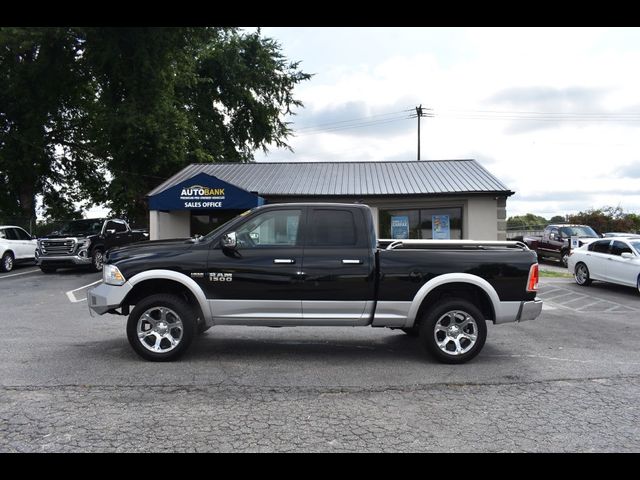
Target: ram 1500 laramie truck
[[554, 242], [84, 242], [316, 265]]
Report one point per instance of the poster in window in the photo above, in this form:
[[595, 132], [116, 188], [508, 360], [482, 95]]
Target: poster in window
[[399, 227], [441, 228]]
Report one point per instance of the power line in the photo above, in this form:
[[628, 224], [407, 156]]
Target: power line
[[353, 119], [355, 125]]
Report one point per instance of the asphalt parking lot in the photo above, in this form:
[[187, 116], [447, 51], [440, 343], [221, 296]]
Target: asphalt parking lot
[[566, 382]]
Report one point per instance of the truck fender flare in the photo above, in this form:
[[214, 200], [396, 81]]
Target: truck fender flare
[[188, 282], [452, 278]]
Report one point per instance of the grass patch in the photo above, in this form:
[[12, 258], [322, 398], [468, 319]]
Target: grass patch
[[549, 273]]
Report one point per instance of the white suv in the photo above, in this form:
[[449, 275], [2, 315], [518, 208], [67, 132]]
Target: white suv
[[16, 245]]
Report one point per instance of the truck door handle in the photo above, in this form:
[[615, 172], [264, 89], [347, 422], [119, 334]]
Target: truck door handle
[[351, 262], [284, 260]]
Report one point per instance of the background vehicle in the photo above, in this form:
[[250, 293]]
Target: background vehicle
[[613, 260], [620, 234], [84, 242], [554, 242], [16, 246], [317, 265]]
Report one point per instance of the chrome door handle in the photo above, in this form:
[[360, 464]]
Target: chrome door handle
[[284, 260], [351, 262]]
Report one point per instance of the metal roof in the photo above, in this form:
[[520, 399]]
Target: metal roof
[[429, 177]]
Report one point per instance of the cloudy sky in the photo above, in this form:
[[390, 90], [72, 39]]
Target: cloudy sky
[[552, 112]]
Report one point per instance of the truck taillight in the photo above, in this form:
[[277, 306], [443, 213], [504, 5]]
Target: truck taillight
[[532, 282]]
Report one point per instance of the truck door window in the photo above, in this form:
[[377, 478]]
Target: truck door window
[[120, 227], [332, 228], [275, 228]]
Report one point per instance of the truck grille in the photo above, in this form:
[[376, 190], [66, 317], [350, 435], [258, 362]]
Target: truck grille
[[58, 247]]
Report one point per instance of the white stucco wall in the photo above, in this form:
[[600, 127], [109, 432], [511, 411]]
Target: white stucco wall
[[481, 219], [176, 224]]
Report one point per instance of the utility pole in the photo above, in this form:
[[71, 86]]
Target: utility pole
[[421, 113]]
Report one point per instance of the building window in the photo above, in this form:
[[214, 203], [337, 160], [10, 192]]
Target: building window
[[427, 223]]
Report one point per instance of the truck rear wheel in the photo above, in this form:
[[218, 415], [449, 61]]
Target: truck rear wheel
[[161, 327], [453, 331]]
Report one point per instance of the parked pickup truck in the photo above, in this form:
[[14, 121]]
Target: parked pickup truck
[[314, 264], [555, 240], [84, 242]]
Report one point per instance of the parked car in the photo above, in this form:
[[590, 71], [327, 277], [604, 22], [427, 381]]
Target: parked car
[[84, 242], [554, 242], [620, 234], [316, 264], [16, 246], [613, 260]]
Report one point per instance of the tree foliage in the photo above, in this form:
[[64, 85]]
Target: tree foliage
[[106, 114], [602, 220]]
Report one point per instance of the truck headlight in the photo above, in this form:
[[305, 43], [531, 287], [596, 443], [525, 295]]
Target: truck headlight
[[112, 276], [84, 243]]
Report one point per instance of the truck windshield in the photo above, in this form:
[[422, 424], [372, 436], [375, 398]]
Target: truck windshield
[[81, 226], [577, 232]]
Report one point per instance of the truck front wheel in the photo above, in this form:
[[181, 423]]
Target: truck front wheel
[[453, 331], [97, 259], [161, 327]]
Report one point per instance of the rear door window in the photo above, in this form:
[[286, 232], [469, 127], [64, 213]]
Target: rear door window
[[332, 228], [600, 247]]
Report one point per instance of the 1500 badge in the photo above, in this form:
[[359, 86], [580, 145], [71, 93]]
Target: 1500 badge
[[214, 277]]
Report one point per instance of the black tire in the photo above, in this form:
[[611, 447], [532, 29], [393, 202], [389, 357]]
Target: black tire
[[412, 332], [7, 262], [440, 340], [97, 259], [48, 269], [564, 258], [176, 312], [581, 275]]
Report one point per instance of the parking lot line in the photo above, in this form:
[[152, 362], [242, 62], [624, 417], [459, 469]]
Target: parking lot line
[[72, 297], [21, 273]]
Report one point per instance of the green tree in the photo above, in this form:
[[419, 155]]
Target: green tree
[[557, 219], [168, 97], [606, 219], [106, 114], [528, 221], [41, 89]]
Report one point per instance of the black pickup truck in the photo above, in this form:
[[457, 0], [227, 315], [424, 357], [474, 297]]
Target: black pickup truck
[[84, 242], [318, 265]]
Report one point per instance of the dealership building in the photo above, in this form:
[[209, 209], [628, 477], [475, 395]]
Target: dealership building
[[440, 199]]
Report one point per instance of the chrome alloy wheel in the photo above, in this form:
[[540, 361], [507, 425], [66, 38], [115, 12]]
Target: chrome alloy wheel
[[160, 329], [456, 332], [581, 274], [98, 260], [8, 263]]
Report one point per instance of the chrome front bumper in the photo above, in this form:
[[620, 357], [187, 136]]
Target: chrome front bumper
[[63, 259], [530, 310], [105, 297]]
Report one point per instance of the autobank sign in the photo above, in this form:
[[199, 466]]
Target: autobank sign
[[200, 196], [204, 192]]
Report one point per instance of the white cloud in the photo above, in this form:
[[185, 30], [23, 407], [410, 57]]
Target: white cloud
[[462, 74]]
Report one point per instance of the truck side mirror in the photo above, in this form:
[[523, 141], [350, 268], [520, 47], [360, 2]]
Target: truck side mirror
[[552, 236], [229, 241], [111, 231]]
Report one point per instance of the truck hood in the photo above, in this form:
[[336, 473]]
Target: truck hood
[[147, 248], [54, 235]]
